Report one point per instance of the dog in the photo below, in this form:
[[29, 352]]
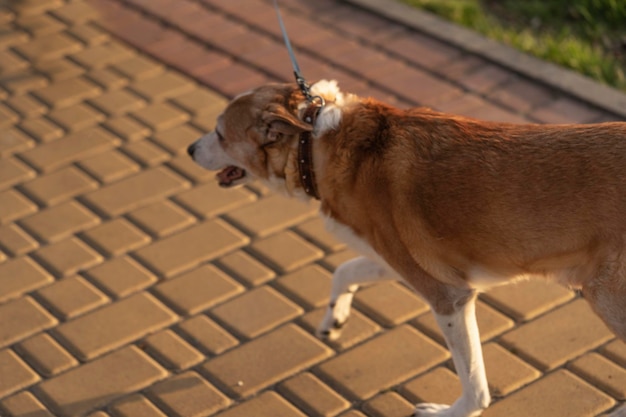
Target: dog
[[449, 204]]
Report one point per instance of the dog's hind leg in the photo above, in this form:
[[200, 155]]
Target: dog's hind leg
[[345, 283]]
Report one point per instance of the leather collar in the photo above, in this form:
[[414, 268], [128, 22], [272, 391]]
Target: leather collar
[[305, 153]]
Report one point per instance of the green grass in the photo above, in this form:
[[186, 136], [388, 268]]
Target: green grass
[[588, 36]]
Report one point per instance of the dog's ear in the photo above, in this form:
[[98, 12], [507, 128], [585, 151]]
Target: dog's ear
[[280, 122]]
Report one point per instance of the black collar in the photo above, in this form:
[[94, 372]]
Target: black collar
[[305, 153]]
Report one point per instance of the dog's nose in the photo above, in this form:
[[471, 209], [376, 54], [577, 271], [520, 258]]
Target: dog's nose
[[191, 149]]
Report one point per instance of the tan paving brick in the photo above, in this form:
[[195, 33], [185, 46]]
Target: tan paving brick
[[505, 371], [193, 171], [201, 101], [177, 139], [121, 276], [388, 404], [101, 381], [616, 351], [134, 406], [67, 257], [24, 83], [268, 404], [42, 24], [42, 129], [46, 355], [396, 361], [7, 117], [59, 186], [59, 69], [161, 218], [31, 7], [31, 276], [527, 299], [188, 394], [109, 166], [13, 141], [172, 351], [558, 336], [109, 327], [11, 64], [390, 303], [313, 396], [76, 117], [89, 34], [118, 102], [146, 152], [191, 247], [602, 373], [207, 335], [116, 237], [12, 172], [286, 251], [315, 231], [52, 46], [161, 87], [198, 290], [127, 128], [99, 56], [26, 105], [70, 297], [67, 92], [27, 318], [246, 269], [333, 261], [256, 312], [309, 286], [440, 386], [15, 373], [24, 404], [136, 191], [13, 37], [270, 215], [357, 329], [559, 394], [138, 67], [266, 360], [209, 200], [75, 13], [107, 78], [59, 222], [70, 148], [15, 240], [14, 205], [161, 116]]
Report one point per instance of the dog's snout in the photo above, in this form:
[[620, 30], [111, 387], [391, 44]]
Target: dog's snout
[[191, 149]]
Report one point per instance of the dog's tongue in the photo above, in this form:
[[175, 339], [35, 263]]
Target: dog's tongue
[[230, 174]]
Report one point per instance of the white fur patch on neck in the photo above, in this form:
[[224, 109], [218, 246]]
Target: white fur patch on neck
[[330, 116]]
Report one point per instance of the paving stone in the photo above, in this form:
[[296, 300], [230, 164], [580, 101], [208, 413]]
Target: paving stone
[[270, 215], [161, 87], [12, 37], [333, 261], [59, 186], [256, 312], [109, 166], [161, 116], [70, 297], [101, 381], [24, 404], [558, 336], [285, 251], [46, 355], [616, 351], [200, 101], [15, 240], [146, 152], [522, 95], [314, 231], [388, 404], [309, 286], [88, 34], [138, 67], [135, 405], [127, 128], [209, 200], [358, 376], [100, 56], [67, 92], [198, 290], [177, 139], [14, 205], [268, 404], [117, 102], [602, 373], [14, 141], [7, 116], [191, 247], [72, 147], [207, 335], [565, 110], [439, 386], [42, 129], [527, 299], [357, 329], [26, 105], [76, 117], [266, 360], [188, 394], [67, 257], [161, 218], [24, 82], [116, 237], [23, 318], [75, 13], [31, 7], [38, 25], [135, 191], [52, 46], [107, 78], [505, 371], [31, 276], [172, 351], [390, 303], [110, 327], [313, 396], [12, 172], [11, 64], [246, 269], [15, 373], [189, 169], [121, 276], [559, 394], [59, 222]]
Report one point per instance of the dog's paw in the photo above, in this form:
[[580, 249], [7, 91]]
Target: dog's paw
[[442, 410], [330, 328]]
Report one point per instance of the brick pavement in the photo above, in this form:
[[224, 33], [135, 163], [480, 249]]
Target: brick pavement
[[131, 285]]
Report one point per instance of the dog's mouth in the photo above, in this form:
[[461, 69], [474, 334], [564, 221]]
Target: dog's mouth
[[230, 175]]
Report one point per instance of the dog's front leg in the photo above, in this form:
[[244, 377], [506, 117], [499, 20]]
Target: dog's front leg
[[461, 333], [345, 283]]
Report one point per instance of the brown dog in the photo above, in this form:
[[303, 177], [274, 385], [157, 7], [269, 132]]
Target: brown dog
[[450, 205]]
